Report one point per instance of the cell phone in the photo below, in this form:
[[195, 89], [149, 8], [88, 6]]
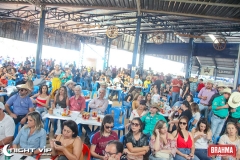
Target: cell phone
[[58, 143], [23, 157]]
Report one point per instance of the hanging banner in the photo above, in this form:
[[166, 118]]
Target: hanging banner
[[207, 71], [220, 71]]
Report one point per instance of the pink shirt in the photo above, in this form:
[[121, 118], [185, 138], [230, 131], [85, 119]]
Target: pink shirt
[[96, 102], [77, 104]]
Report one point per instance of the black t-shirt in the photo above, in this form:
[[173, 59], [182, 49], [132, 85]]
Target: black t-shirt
[[212, 98], [187, 113], [158, 83], [143, 141]]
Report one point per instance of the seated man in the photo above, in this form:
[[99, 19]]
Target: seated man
[[77, 102], [22, 105], [70, 86], [113, 150], [7, 127], [151, 118], [99, 104]]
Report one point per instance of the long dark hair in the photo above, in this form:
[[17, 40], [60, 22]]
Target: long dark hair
[[140, 123], [107, 119], [40, 91], [65, 91], [179, 129], [185, 103], [204, 121]]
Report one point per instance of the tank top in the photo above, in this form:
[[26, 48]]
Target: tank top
[[61, 103], [181, 143], [201, 143], [42, 100], [57, 73], [68, 147]]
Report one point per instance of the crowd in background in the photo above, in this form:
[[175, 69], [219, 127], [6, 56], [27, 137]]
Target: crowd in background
[[201, 112]]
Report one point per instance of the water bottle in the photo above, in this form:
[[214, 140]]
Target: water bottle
[[99, 112]]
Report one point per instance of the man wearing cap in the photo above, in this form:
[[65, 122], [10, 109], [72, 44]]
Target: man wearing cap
[[205, 95], [7, 127], [220, 112], [22, 105], [70, 85], [176, 86], [234, 112], [151, 118]]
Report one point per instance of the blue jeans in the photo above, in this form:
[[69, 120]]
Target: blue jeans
[[216, 126], [184, 151], [175, 96], [40, 110], [202, 154], [204, 109]]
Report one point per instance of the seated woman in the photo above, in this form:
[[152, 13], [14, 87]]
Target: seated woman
[[136, 141], [189, 98], [136, 101], [71, 144], [202, 135], [185, 141], [195, 113], [102, 137], [147, 82], [128, 99], [185, 111], [32, 135], [42, 99], [231, 137], [139, 112], [155, 96], [148, 98], [163, 144]]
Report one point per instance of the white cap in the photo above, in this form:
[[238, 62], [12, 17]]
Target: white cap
[[2, 106]]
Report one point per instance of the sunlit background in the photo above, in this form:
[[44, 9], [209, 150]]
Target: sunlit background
[[93, 56]]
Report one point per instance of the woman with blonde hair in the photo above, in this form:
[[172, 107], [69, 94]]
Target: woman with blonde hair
[[162, 143], [136, 101], [56, 82], [32, 135]]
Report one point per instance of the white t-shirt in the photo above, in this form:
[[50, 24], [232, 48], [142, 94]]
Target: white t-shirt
[[135, 114], [225, 140], [155, 98], [7, 127], [197, 116]]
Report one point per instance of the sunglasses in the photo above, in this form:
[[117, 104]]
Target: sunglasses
[[135, 124], [22, 90], [108, 127], [184, 123]]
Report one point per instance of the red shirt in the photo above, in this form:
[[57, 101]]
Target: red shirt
[[175, 82], [181, 143], [100, 141], [77, 104], [4, 81], [200, 86]]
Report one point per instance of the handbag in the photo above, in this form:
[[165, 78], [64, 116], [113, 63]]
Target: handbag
[[130, 157], [160, 154]]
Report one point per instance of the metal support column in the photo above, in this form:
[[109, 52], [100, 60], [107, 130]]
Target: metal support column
[[190, 59], [135, 50], [40, 41], [237, 70], [82, 51], [107, 52], [142, 52]]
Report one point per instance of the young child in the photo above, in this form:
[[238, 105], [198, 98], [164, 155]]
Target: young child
[[155, 96]]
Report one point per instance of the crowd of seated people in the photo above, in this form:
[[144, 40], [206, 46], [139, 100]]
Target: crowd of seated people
[[185, 133]]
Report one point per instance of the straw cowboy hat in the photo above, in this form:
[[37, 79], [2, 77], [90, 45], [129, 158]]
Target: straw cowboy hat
[[24, 86], [191, 79], [221, 84], [234, 100], [68, 82], [195, 80], [226, 90], [155, 105]]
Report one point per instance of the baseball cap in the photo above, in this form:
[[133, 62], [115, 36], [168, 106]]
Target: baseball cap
[[2, 106], [143, 102]]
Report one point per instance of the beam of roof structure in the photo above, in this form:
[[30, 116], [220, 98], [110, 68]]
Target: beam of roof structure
[[134, 9], [206, 3]]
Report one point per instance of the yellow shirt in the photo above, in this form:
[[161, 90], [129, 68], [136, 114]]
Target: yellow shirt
[[146, 83]]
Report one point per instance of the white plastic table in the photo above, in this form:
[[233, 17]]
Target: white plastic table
[[16, 156], [166, 114]]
